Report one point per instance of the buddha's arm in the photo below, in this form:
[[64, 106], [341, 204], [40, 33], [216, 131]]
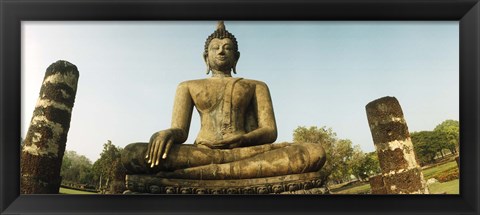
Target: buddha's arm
[[267, 127], [182, 113], [161, 142]]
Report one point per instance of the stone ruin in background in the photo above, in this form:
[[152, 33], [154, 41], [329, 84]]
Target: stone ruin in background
[[401, 173]]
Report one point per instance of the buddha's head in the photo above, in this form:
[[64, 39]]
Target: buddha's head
[[221, 50]]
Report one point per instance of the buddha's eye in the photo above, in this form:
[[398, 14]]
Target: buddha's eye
[[215, 47]]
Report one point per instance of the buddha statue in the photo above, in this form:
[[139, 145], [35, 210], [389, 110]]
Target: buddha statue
[[237, 129]]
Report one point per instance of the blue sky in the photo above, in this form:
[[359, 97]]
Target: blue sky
[[319, 73]]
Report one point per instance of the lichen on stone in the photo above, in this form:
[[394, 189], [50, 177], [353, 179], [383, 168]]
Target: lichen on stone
[[40, 144], [69, 78], [44, 103]]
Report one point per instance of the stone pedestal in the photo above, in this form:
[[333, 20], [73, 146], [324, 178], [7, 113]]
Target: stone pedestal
[[400, 172], [307, 183]]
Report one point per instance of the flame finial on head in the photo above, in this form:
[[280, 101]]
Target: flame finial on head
[[220, 26]]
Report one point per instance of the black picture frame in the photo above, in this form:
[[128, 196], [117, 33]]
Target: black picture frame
[[12, 12]]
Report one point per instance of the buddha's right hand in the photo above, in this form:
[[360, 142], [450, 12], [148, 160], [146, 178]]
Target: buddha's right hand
[[159, 146]]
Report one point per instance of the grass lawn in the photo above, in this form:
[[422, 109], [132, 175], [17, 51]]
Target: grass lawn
[[450, 187], [432, 172], [70, 191]]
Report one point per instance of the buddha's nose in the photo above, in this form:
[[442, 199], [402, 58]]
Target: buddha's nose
[[221, 51]]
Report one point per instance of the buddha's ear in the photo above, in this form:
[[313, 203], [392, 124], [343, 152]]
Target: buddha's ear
[[234, 68], [205, 57]]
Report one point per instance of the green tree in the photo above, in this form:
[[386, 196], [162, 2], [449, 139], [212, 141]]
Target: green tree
[[363, 165], [338, 152], [426, 146], [108, 169], [342, 155], [76, 169], [449, 134], [429, 144], [372, 165], [356, 163]]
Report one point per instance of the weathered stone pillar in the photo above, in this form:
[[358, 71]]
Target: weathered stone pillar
[[376, 185], [400, 172], [42, 153]]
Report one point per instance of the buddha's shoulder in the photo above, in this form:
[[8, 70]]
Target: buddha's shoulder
[[192, 82], [254, 82], [209, 80]]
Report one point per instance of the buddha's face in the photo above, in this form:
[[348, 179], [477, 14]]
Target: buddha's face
[[221, 54]]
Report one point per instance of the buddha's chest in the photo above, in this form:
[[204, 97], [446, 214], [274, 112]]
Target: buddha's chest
[[218, 95]]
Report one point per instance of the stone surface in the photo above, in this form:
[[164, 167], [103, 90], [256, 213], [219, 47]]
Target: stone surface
[[42, 153], [377, 185], [400, 172], [432, 181], [406, 182], [237, 128]]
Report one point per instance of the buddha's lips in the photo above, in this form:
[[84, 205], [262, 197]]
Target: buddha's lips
[[221, 58]]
